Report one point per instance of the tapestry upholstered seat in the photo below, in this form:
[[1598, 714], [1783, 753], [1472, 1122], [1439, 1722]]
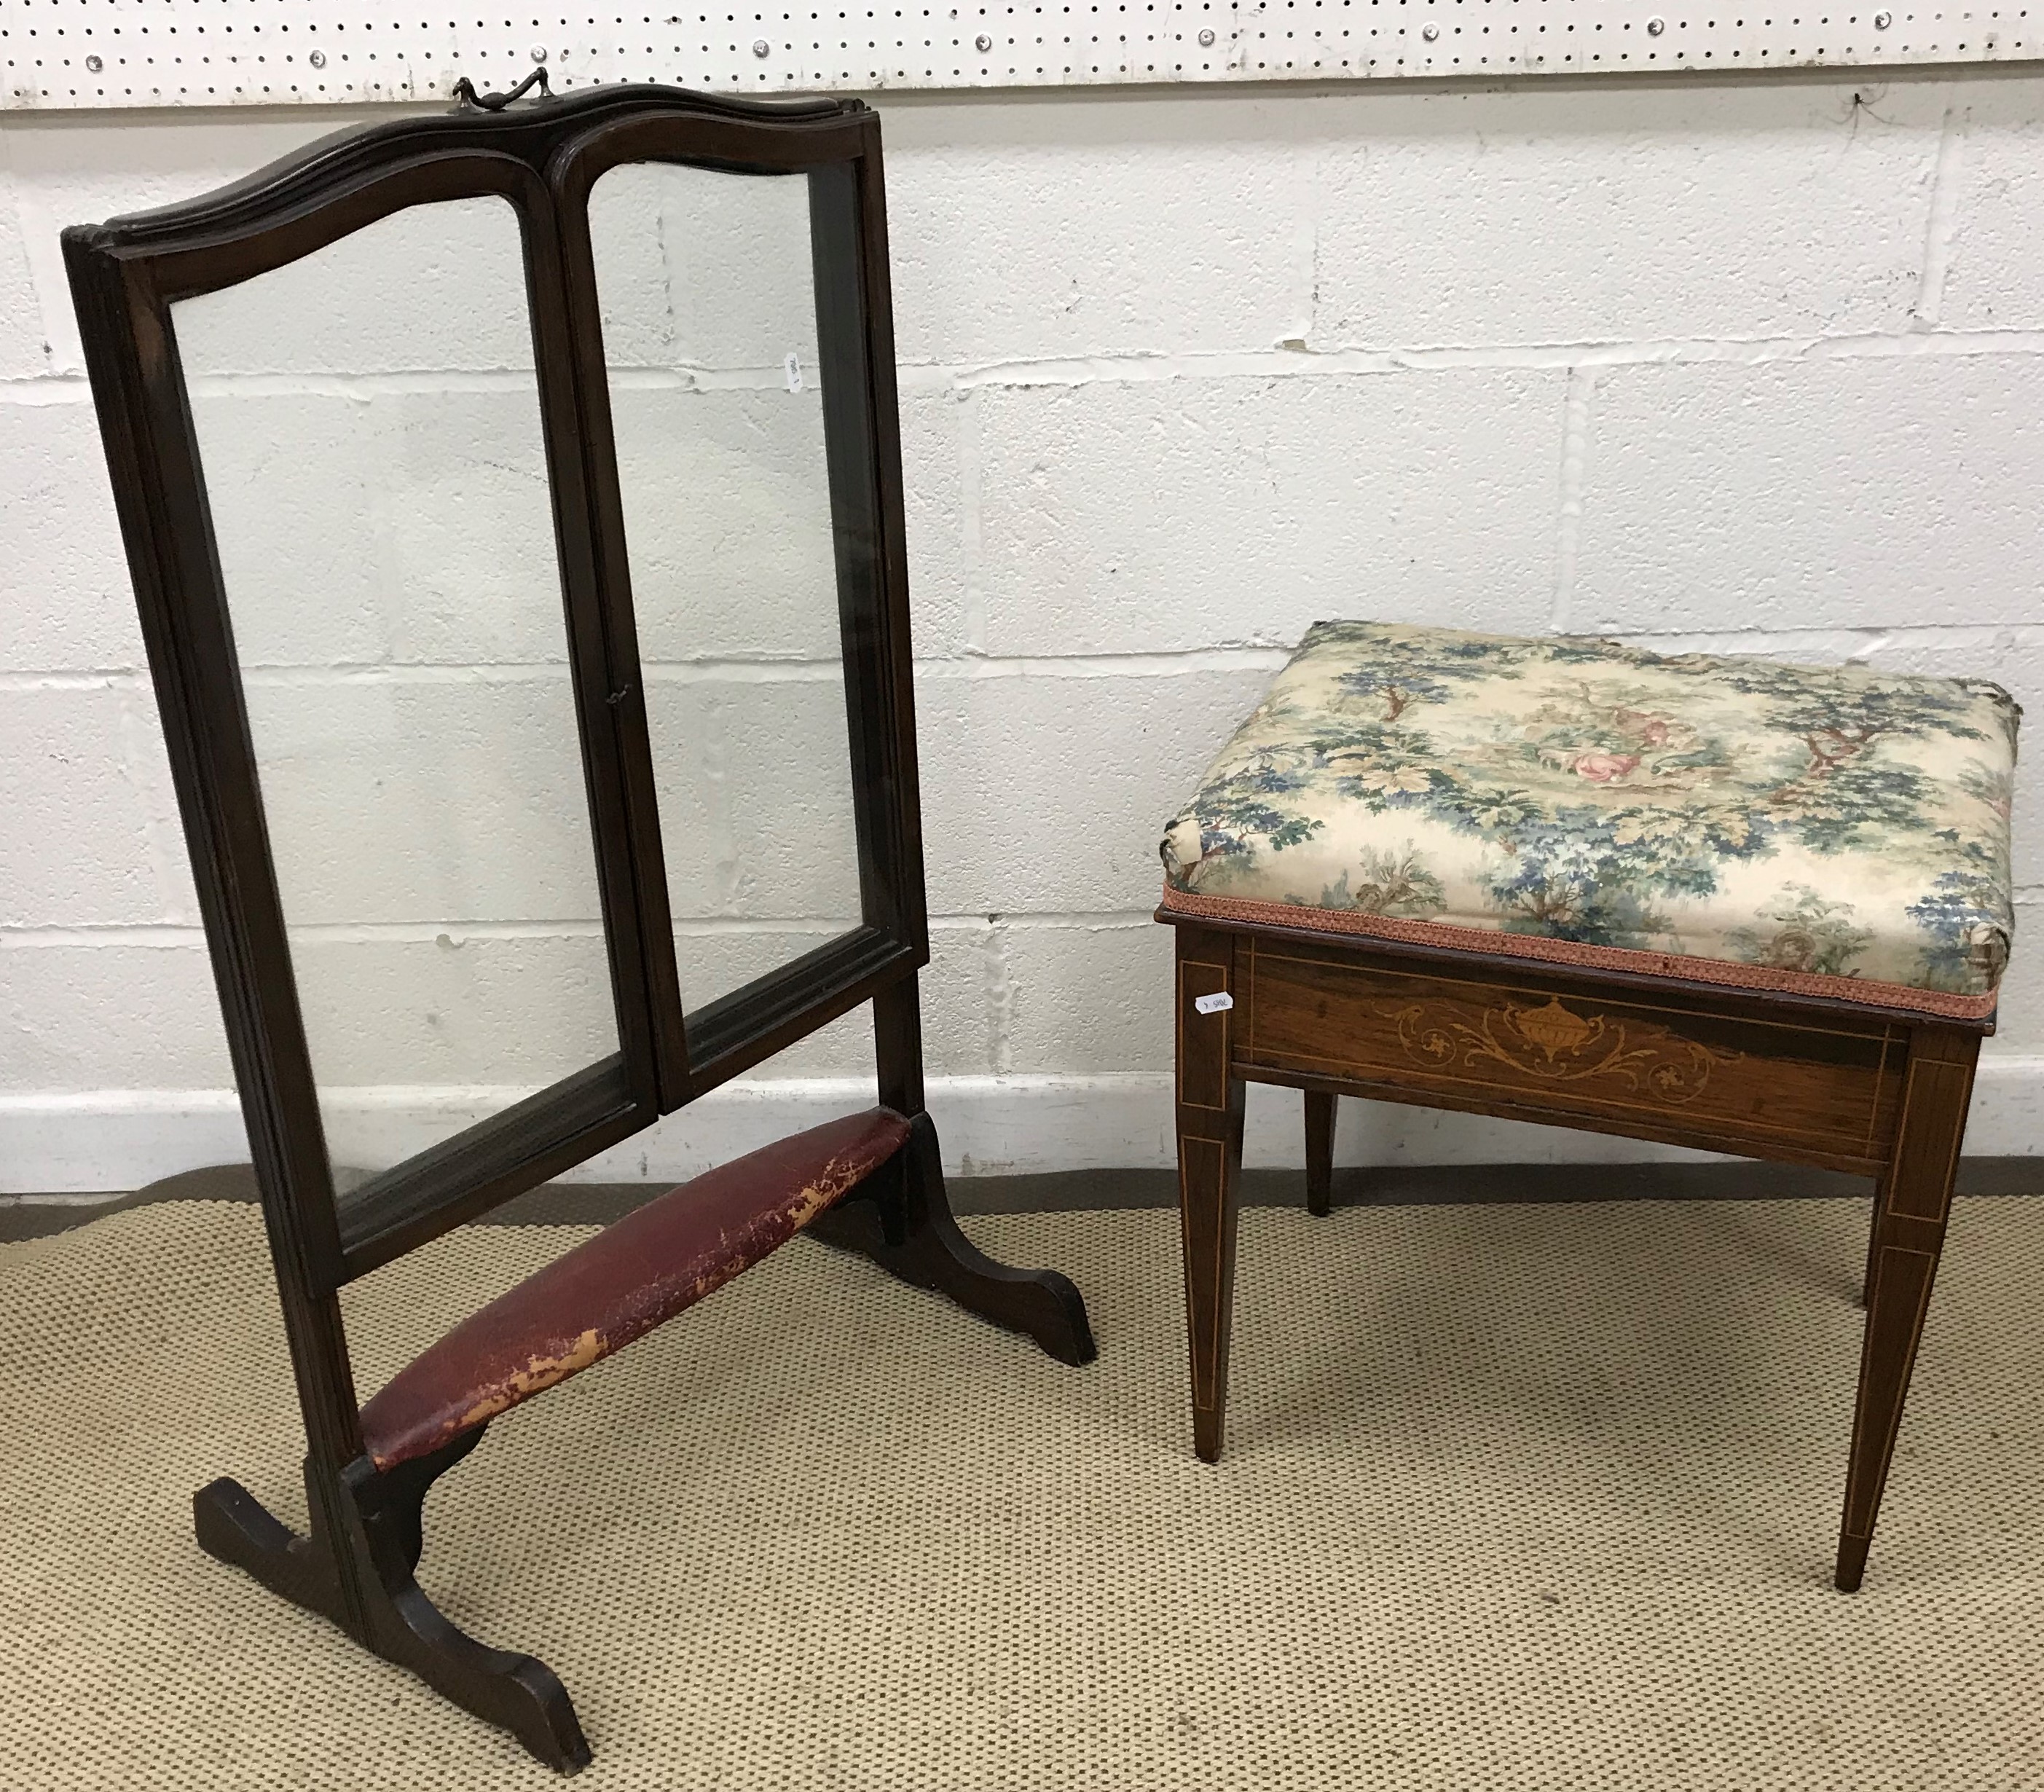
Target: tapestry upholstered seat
[[1829, 830]]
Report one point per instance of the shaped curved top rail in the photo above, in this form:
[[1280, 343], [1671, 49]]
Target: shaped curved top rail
[[760, 134]]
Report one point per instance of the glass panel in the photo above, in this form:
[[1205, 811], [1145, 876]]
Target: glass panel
[[710, 330], [368, 418]]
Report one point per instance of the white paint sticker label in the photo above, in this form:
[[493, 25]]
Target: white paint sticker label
[[794, 364], [1219, 1002]]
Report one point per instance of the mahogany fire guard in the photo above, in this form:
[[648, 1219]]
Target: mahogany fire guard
[[368, 1466]]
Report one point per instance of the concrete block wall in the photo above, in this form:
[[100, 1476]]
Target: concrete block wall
[[1755, 365]]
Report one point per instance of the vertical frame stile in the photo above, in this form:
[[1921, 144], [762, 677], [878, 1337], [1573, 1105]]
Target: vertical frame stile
[[855, 338], [897, 670], [611, 620], [159, 495], [896, 1012], [605, 671]]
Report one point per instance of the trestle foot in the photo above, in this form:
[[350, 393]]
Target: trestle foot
[[931, 1252], [355, 1570]]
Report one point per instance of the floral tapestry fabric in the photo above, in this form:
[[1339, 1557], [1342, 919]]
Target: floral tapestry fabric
[[1831, 829]]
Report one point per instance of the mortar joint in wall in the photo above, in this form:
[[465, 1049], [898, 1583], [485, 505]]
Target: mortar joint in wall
[[1568, 526], [998, 983], [1941, 223]]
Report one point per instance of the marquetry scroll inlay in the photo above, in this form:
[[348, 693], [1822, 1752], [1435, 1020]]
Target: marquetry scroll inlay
[[1555, 1044]]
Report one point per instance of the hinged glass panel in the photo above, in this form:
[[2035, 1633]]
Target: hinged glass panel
[[369, 428], [716, 398]]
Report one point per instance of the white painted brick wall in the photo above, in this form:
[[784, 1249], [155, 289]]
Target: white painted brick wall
[[1051, 779], [1133, 516], [68, 604], [1448, 221], [75, 846], [1698, 512], [1724, 365], [22, 351], [1147, 227], [1985, 264]]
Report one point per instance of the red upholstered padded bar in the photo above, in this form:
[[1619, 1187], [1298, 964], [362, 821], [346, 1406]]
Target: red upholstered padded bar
[[621, 1284]]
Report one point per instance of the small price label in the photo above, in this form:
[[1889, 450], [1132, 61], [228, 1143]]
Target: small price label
[[793, 367], [1219, 1002]]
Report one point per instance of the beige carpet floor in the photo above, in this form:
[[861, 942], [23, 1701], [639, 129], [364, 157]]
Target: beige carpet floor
[[1515, 1497]]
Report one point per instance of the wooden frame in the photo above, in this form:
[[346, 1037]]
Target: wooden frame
[[1880, 1092], [356, 1565]]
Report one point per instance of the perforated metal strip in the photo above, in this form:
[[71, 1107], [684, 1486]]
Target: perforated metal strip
[[91, 53]]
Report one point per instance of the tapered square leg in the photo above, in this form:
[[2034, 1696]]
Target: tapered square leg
[[1873, 1243], [1209, 1122], [1319, 1152], [1908, 1233], [1208, 1176]]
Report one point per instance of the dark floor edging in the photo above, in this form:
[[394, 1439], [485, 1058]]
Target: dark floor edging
[[24, 1216]]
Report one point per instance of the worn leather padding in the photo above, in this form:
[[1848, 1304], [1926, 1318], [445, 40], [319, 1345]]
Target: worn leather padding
[[620, 1284]]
